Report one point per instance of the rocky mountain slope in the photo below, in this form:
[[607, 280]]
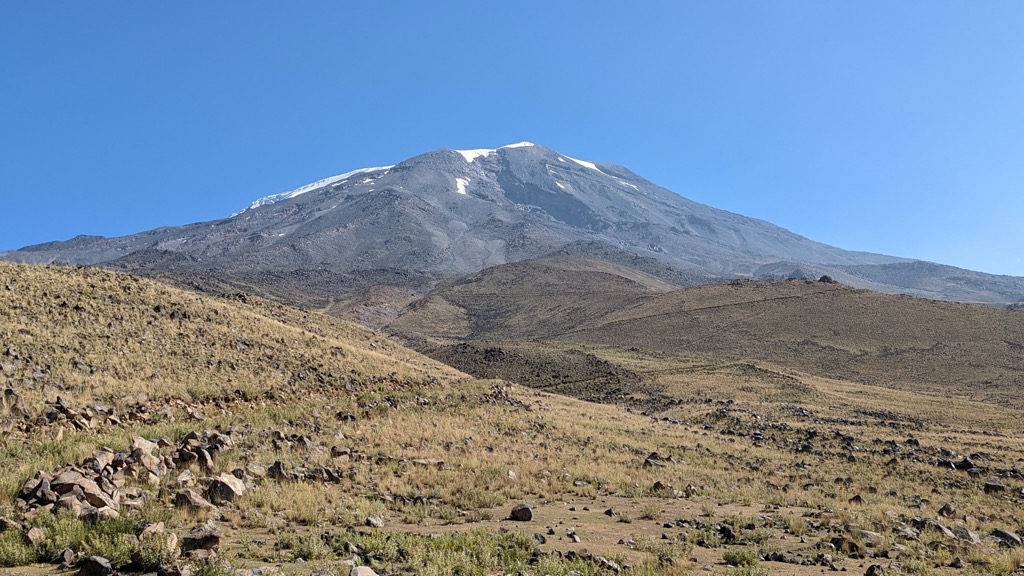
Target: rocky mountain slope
[[452, 212]]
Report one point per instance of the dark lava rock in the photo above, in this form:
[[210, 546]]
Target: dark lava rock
[[521, 513]]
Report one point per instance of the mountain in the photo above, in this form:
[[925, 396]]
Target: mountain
[[447, 213]]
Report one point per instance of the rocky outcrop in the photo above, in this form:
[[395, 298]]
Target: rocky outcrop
[[108, 482]]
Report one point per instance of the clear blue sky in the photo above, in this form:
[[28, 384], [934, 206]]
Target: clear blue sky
[[894, 127]]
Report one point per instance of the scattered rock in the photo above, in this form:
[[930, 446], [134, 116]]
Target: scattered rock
[[375, 521], [607, 564], [66, 558], [994, 486], [99, 486], [95, 566], [225, 488], [1007, 538], [846, 545], [189, 498], [521, 513], [205, 537], [965, 535], [872, 539], [947, 510], [35, 536]]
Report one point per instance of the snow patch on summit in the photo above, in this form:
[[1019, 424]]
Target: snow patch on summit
[[586, 164], [267, 200], [471, 155]]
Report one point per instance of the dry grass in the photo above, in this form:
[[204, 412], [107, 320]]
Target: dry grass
[[442, 458]]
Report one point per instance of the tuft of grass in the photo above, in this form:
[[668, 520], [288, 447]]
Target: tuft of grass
[[746, 556], [471, 553], [650, 511]]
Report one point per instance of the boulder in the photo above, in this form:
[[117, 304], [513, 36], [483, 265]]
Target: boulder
[[871, 539], [95, 566], [375, 521], [994, 486], [141, 445], [189, 498], [35, 535], [205, 537], [965, 535], [225, 488], [1008, 538], [186, 479], [521, 513]]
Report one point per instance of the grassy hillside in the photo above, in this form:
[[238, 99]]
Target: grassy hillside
[[822, 329], [526, 300], [352, 450], [955, 350]]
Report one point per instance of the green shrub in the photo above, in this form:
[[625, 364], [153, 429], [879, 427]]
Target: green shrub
[[14, 551]]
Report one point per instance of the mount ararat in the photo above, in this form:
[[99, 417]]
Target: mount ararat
[[448, 213]]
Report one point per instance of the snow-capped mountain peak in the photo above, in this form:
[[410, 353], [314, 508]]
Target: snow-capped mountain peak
[[309, 187], [448, 212]]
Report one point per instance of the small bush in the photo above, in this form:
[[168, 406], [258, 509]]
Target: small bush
[[154, 552], [211, 569], [308, 545], [706, 538], [14, 551], [758, 535], [740, 556]]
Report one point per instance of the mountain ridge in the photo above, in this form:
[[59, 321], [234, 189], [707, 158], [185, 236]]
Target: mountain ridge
[[454, 212]]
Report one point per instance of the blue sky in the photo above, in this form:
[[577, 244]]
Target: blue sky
[[893, 127]]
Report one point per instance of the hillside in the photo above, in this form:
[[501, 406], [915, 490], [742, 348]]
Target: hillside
[[165, 431], [529, 299], [823, 329], [949, 349]]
